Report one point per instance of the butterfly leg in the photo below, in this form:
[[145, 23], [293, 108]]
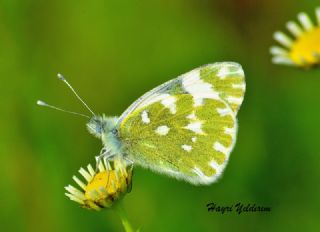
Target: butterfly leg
[[104, 154]]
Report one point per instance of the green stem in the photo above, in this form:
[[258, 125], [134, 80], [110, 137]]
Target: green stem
[[118, 207]]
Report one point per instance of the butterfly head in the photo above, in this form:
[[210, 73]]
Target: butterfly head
[[99, 125]]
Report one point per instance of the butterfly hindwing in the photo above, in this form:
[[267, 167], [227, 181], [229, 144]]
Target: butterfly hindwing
[[186, 128]]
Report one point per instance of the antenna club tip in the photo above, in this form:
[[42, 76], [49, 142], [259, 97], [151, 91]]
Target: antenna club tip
[[41, 103], [60, 76]]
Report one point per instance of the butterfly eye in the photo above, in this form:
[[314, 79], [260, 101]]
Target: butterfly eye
[[114, 131]]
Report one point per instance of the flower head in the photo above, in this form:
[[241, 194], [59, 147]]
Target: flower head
[[109, 184], [303, 49]]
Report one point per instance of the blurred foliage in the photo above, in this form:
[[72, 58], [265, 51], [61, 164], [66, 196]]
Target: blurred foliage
[[113, 52]]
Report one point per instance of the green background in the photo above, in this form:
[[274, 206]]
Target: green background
[[113, 52]]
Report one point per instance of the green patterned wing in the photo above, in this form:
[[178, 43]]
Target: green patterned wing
[[227, 79], [186, 128]]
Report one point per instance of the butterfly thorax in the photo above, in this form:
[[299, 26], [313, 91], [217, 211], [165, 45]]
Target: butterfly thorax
[[105, 128]]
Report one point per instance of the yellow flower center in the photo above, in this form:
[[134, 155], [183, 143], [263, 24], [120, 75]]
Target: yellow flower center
[[106, 180], [304, 48]]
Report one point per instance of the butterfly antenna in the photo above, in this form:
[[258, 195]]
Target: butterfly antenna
[[75, 93], [42, 103]]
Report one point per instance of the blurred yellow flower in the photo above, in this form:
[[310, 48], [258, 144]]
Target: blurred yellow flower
[[104, 187], [303, 49]]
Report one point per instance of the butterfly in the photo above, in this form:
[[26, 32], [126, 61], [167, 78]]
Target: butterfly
[[185, 128]]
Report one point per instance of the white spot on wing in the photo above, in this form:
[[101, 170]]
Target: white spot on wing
[[195, 127], [169, 102], [238, 72], [225, 70], [199, 89], [239, 86], [145, 117], [191, 116], [162, 130], [194, 139], [198, 101], [235, 100], [199, 172], [223, 111], [229, 131], [217, 167], [155, 98], [187, 148], [149, 145], [219, 147]]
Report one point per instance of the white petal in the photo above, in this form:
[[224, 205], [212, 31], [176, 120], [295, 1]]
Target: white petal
[[275, 50], [74, 198], [283, 39], [85, 174], [76, 192], [90, 169], [79, 182], [282, 60], [305, 21], [318, 15], [101, 167], [294, 29]]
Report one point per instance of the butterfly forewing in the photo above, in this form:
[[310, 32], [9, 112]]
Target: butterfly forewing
[[228, 80]]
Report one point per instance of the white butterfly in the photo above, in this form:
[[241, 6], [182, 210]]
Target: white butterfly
[[185, 128]]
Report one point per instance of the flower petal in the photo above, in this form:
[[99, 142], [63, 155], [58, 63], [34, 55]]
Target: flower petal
[[305, 21], [282, 60], [85, 174], [283, 39], [294, 28], [275, 50], [79, 182]]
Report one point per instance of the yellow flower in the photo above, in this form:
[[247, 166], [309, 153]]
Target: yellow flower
[[303, 49], [109, 184]]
